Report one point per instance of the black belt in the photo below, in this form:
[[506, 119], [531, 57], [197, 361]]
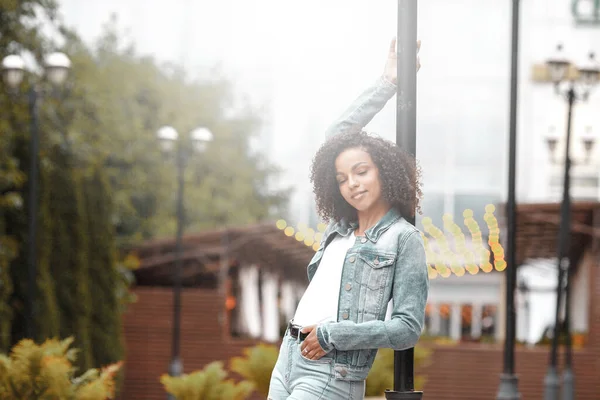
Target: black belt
[[294, 331]]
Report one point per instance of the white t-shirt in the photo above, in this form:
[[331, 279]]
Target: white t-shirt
[[320, 300]]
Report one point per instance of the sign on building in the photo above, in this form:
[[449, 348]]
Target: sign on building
[[586, 12]]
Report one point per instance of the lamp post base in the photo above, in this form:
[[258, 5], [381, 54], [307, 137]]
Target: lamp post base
[[568, 384], [551, 384], [391, 395], [175, 369], [509, 388]]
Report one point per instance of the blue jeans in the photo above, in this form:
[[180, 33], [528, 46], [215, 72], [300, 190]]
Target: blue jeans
[[297, 378]]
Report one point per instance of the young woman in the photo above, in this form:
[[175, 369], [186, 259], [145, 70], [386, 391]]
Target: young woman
[[369, 255]]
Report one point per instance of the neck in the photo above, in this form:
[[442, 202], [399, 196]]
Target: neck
[[368, 218]]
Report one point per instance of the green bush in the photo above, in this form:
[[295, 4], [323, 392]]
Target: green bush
[[46, 372], [256, 366], [381, 376], [209, 383]]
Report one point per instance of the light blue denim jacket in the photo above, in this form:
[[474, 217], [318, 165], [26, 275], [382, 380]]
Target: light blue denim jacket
[[388, 263]]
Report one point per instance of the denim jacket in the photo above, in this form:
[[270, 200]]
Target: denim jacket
[[387, 264]]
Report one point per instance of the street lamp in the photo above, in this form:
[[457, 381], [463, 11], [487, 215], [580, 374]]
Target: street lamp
[[182, 149], [509, 382], [56, 69], [572, 87]]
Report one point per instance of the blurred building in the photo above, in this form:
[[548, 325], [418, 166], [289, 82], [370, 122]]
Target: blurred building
[[242, 283], [240, 287]]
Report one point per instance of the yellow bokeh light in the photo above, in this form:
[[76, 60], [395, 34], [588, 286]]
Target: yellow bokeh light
[[500, 265], [449, 254], [281, 224], [487, 267]]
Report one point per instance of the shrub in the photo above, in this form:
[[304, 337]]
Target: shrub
[[381, 376], [46, 372], [207, 384], [256, 366]]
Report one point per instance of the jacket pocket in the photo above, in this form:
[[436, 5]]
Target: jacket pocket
[[375, 269]]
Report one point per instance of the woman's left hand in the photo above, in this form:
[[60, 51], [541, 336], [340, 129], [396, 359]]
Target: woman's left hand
[[390, 71], [310, 347]]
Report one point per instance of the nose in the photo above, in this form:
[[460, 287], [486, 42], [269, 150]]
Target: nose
[[352, 182]]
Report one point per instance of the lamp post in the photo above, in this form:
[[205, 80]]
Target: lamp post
[[56, 68], [573, 87], [183, 150], [509, 383], [406, 137]]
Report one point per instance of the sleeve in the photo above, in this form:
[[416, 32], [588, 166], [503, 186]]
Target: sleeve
[[364, 108]]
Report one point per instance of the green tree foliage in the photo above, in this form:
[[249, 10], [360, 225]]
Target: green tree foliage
[[46, 372], [122, 99], [69, 260], [381, 376], [105, 329], [47, 324], [210, 383], [256, 366], [103, 179], [19, 32]]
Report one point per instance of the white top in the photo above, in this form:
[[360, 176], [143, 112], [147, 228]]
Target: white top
[[320, 300]]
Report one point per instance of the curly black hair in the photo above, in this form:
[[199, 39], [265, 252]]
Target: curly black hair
[[398, 171]]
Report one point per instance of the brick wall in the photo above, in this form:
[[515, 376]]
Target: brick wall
[[472, 372], [147, 326]]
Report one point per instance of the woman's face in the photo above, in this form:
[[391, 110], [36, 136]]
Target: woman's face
[[358, 179]]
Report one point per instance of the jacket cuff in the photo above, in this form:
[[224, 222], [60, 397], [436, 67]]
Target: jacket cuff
[[386, 85], [323, 338]]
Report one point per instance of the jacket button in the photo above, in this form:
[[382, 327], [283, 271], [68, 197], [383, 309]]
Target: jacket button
[[376, 262], [345, 315], [352, 259], [343, 372], [363, 240], [348, 286]]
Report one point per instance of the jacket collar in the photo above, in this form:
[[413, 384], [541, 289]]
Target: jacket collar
[[344, 227]]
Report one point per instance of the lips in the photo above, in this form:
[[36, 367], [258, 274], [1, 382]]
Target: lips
[[359, 195]]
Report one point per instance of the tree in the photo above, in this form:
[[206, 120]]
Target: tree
[[122, 189], [69, 260], [15, 36], [123, 99], [105, 327]]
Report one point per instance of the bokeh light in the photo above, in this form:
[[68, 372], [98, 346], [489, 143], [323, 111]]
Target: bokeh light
[[443, 259]]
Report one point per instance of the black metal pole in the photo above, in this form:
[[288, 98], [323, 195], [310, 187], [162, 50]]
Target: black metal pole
[[176, 366], [568, 375], [551, 382], [406, 137], [508, 388], [34, 110]]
